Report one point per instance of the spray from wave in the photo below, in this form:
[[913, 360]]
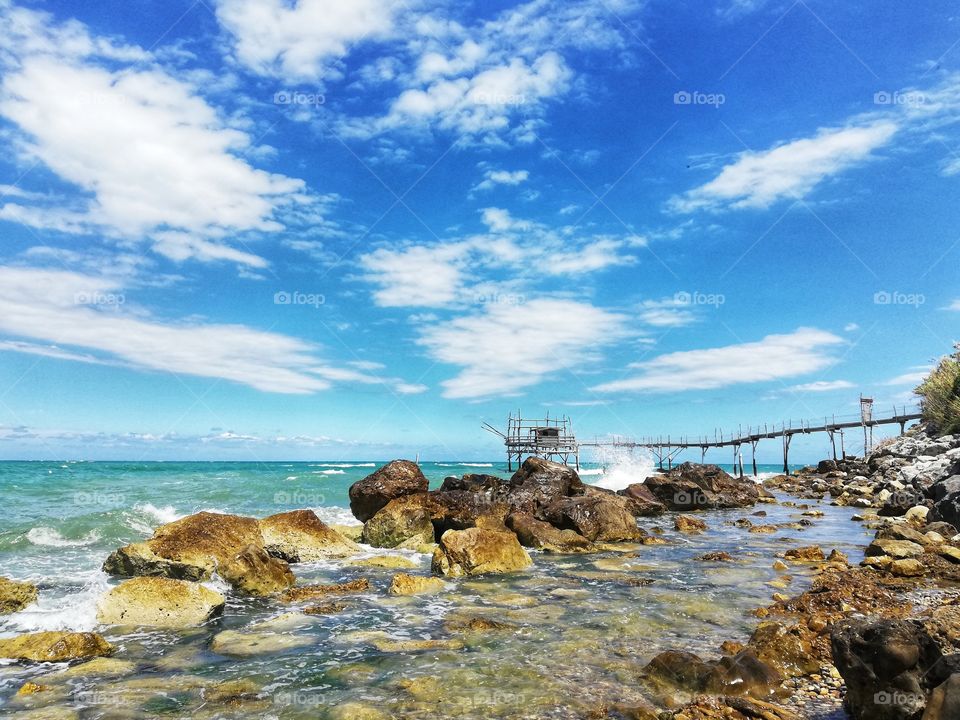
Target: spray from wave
[[621, 467], [49, 537]]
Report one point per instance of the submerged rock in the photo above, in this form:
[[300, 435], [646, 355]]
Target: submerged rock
[[688, 524], [403, 584], [395, 479], [236, 643], [810, 553], [302, 593], [541, 535], [15, 596], [476, 551], [55, 646], [159, 602], [300, 536]]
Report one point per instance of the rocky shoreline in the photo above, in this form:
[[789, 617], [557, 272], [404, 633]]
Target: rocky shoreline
[[883, 637]]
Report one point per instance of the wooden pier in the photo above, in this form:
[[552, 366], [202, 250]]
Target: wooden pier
[[554, 439], [667, 448]]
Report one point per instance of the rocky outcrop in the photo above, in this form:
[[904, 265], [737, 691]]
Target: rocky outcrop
[[462, 509], [740, 674], [890, 667], [159, 602], [406, 521], [539, 535], [302, 593], [300, 536], [539, 483], [55, 647], [477, 551], [188, 549], [597, 516], [695, 487], [643, 502], [15, 596], [394, 480], [254, 572], [944, 701]]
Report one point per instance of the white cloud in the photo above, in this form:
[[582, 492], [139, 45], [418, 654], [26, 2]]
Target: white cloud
[[668, 312], [851, 327], [492, 178], [791, 170], [914, 377], [822, 386], [954, 306], [304, 40], [75, 311], [775, 357], [506, 349], [514, 254], [179, 176]]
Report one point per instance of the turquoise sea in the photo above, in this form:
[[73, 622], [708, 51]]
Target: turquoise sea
[[581, 621]]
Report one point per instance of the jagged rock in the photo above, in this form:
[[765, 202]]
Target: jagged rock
[[599, 517], [395, 479], [403, 584], [643, 502], [538, 483], [944, 701], [300, 536], [947, 510], [732, 708], [901, 531], [254, 572], [811, 553], [907, 567], [691, 486], [54, 646], [15, 596], [678, 669], [896, 549], [476, 551], [689, 524], [302, 593], [945, 487], [473, 483], [406, 521], [787, 648], [715, 556], [159, 602], [462, 509], [188, 549], [541, 535], [736, 674]]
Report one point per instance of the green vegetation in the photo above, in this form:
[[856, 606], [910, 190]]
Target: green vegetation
[[941, 395]]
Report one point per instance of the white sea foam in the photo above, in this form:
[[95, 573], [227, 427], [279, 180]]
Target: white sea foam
[[343, 465], [624, 468], [335, 515], [161, 515], [592, 471], [329, 472], [465, 464], [73, 611], [49, 537], [292, 477]]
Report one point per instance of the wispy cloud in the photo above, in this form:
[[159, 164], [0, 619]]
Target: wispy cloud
[[775, 357]]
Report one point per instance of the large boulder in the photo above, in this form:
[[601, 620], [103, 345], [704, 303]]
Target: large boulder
[[642, 501], [393, 480], [599, 517], [54, 646], [743, 673], [404, 584], [188, 549], [159, 602], [944, 701], [691, 486], [406, 521], [15, 596], [787, 648], [947, 510], [255, 572], [539, 483], [889, 667], [539, 535], [476, 551], [473, 483], [300, 536], [462, 509]]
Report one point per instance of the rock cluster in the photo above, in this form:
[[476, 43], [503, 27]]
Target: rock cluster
[[15, 596]]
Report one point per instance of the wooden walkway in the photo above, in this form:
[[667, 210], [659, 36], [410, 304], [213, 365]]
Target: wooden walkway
[[667, 448]]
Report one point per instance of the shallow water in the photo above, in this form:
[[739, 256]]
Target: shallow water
[[582, 627]]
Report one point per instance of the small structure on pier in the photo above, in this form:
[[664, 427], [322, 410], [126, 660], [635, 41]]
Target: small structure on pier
[[549, 438]]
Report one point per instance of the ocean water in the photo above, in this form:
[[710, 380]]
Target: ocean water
[[581, 621]]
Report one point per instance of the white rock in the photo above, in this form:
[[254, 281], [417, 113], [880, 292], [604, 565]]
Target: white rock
[[917, 513]]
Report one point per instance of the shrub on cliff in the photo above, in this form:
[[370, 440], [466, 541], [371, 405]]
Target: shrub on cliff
[[941, 395]]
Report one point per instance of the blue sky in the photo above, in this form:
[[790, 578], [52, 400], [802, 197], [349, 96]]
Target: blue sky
[[272, 229]]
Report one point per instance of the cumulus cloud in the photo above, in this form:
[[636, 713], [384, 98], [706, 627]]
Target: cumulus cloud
[[84, 318], [502, 351], [790, 170], [775, 357], [492, 178], [151, 157], [819, 386]]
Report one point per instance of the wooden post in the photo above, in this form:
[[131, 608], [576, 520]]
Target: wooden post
[[786, 454], [753, 452]]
